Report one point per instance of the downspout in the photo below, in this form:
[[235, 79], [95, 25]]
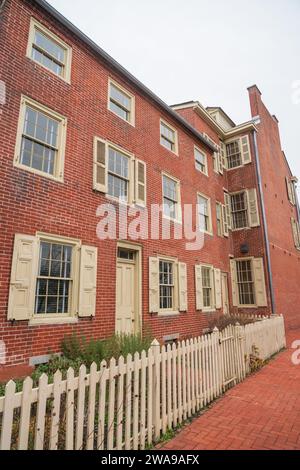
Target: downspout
[[2, 5], [265, 228]]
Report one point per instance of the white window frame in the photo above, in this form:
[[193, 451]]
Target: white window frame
[[205, 172], [236, 260], [165, 123], [212, 307], [129, 95], [60, 157], [35, 25], [178, 217], [72, 316], [210, 231], [175, 310], [233, 229], [231, 141], [220, 205], [130, 156]]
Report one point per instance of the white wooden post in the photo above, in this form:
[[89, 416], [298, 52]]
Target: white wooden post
[[155, 347]]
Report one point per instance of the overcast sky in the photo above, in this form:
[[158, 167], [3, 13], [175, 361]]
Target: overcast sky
[[206, 50]]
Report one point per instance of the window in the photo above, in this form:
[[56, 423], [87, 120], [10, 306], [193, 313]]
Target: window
[[166, 285], [207, 286], [40, 140], [171, 198], [245, 282], [127, 255], [204, 213], [118, 174], [239, 210], [54, 280], [234, 154], [201, 161], [121, 102], [168, 137], [49, 51], [296, 232], [219, 214]]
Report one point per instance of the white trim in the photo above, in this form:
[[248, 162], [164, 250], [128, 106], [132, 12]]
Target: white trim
[[204, 154], [58, 175], [129, 95], [165, 123], [178, 218], [208, 232], [35, 25]]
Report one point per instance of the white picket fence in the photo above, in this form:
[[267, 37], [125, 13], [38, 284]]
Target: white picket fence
[[129, 404]]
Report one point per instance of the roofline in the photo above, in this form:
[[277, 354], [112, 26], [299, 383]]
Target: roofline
[[222, 111], [197, 107], [121, 70]]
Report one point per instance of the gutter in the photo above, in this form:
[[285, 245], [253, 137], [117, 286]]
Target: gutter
[[265, 227], [122, 71]]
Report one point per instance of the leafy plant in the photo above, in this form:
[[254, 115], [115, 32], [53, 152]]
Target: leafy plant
[[255, 362]]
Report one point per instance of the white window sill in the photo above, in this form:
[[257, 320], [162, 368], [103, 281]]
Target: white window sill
[[131, 123], [166, 314], [38, 172], [52, 321]]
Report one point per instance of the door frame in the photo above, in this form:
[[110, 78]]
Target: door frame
[[127, 245]]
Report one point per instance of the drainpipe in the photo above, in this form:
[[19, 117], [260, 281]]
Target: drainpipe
[[2, 5], [265, 228]]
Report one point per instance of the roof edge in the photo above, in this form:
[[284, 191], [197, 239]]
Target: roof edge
[[121, 70]]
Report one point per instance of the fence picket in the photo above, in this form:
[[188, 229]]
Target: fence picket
[[25, 414], [55, 412], [101, 407], [128, 401], [120, 403], [80, 407], [164, 389], [41, 412], [136, 391], [8, 414], [111, 404], [143, 400], [70, 410], [91, 407]]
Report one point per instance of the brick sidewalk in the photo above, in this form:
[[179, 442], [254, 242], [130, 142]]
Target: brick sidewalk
[[261, 413]]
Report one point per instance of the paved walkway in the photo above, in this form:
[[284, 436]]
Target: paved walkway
[[261, 413]]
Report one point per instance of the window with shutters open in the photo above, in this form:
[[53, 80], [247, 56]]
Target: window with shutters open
[[118, 174], [208, 285], [40, 145], [238, 152], [244, 209], [167, 286], [49, 274], [248, 283], [296, 232], [291, 191]]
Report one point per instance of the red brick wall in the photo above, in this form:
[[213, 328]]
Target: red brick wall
[[285, 258], [31, 203]]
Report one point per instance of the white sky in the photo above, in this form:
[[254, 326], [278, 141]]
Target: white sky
[[206, 50]]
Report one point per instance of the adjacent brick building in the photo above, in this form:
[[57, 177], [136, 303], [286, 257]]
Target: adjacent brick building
[[78, 131]]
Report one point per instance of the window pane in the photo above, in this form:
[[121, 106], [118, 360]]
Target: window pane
[[245, 283]]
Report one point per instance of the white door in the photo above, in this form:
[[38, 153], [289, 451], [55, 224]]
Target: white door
[[225, 298], [125, 298]]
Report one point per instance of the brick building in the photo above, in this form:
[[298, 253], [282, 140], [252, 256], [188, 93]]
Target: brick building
[[78, 132]]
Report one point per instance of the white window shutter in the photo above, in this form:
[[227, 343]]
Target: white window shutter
[[289, 190], [100, 166], [23, 278], [218, 294], [253, 208], [140, 182], [224, 221], [246, 152], [88, 281], [223, 155], [182, 284], [296, 233], [234, 286], [153, 285], [228, 209], [260, 284], [220, 161], [199, 290]]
